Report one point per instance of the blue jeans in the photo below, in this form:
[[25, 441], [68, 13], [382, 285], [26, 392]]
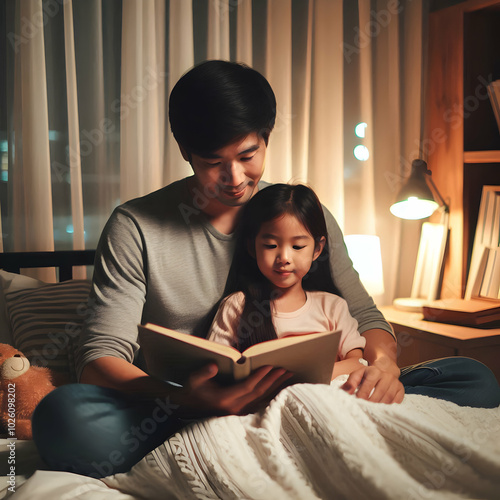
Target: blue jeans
[[463, 381], [96, 432]]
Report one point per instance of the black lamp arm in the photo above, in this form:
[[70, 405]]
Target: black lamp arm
[[436, 190]]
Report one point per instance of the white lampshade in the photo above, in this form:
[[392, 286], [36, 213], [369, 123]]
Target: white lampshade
[[415, 199], [414, 208], [364, 251]]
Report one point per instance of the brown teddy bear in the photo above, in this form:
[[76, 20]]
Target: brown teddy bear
[[22, 387]]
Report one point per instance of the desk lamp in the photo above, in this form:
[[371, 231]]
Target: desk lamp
[[416, 201]]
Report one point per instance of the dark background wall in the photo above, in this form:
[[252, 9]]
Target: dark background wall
[[441, 4]]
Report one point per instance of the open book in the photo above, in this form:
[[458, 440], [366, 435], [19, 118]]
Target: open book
[[173, 356]]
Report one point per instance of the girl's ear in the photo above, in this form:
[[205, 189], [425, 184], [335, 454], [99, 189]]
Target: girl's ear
[[319, 247]]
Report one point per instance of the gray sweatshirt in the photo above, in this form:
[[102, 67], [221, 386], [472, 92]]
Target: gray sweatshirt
[[159, 260]]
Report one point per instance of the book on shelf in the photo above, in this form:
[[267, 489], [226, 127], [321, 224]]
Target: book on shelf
[[173, 356], [494, 95], [483, 280], [490, 284], [464, 312]]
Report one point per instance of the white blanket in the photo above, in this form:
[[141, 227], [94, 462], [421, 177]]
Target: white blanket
[[312, 442]]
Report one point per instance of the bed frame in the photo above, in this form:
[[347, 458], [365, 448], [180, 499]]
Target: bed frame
[[63, 260]]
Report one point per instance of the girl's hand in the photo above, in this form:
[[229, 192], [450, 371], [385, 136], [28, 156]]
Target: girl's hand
[[373, 384]]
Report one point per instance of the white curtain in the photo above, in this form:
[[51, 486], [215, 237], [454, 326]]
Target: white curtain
[[31, 172], [332, 63], [181, 58], [143, 75]]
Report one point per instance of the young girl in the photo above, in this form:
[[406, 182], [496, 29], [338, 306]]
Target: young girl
[[280, 282]]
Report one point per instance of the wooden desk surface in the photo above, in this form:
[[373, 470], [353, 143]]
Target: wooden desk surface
[[420, 340], [415, 321]]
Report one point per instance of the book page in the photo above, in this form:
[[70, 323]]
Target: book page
[[174, 356], [274, 344], [309, 357], [208, 345]]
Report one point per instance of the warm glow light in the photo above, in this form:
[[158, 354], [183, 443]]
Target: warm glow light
[[414, 208], [364, 251], [361, 153], [359, 129]]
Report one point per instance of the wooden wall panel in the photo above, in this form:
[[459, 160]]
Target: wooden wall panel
[[444, 132], [461, 139]]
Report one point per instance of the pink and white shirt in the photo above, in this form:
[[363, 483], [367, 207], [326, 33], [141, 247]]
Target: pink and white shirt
[[321, 312]]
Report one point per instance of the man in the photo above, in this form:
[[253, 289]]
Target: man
[[164, 258]]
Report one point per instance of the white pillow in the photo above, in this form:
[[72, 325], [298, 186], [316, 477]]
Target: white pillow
[[12, 282], [46, 323]]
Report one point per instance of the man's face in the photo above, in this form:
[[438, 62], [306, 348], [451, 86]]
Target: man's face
[[230, 174]]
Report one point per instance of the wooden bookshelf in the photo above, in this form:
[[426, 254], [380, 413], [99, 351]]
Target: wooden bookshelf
[[482, 157], [463, 57]]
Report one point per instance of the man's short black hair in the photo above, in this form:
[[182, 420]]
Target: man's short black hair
[[218, 102]]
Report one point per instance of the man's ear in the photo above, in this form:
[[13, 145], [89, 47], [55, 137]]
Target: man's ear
[[185, 154], [319, 247]]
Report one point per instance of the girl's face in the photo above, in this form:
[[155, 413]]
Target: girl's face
[[285, 250]]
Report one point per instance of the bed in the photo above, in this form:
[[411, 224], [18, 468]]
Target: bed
[[311, 442]]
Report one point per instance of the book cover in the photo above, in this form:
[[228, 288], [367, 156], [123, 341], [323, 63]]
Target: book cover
[[173, 356], [494, 95], [490, 286], [465, 312]]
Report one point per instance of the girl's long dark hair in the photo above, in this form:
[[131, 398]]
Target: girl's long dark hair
[[272, 202]]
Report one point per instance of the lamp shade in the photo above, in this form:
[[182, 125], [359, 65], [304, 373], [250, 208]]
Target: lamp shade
[[364, 251], [415, 199]]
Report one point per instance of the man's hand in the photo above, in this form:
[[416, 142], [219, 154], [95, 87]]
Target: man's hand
[[373, 384], [202, 396]]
